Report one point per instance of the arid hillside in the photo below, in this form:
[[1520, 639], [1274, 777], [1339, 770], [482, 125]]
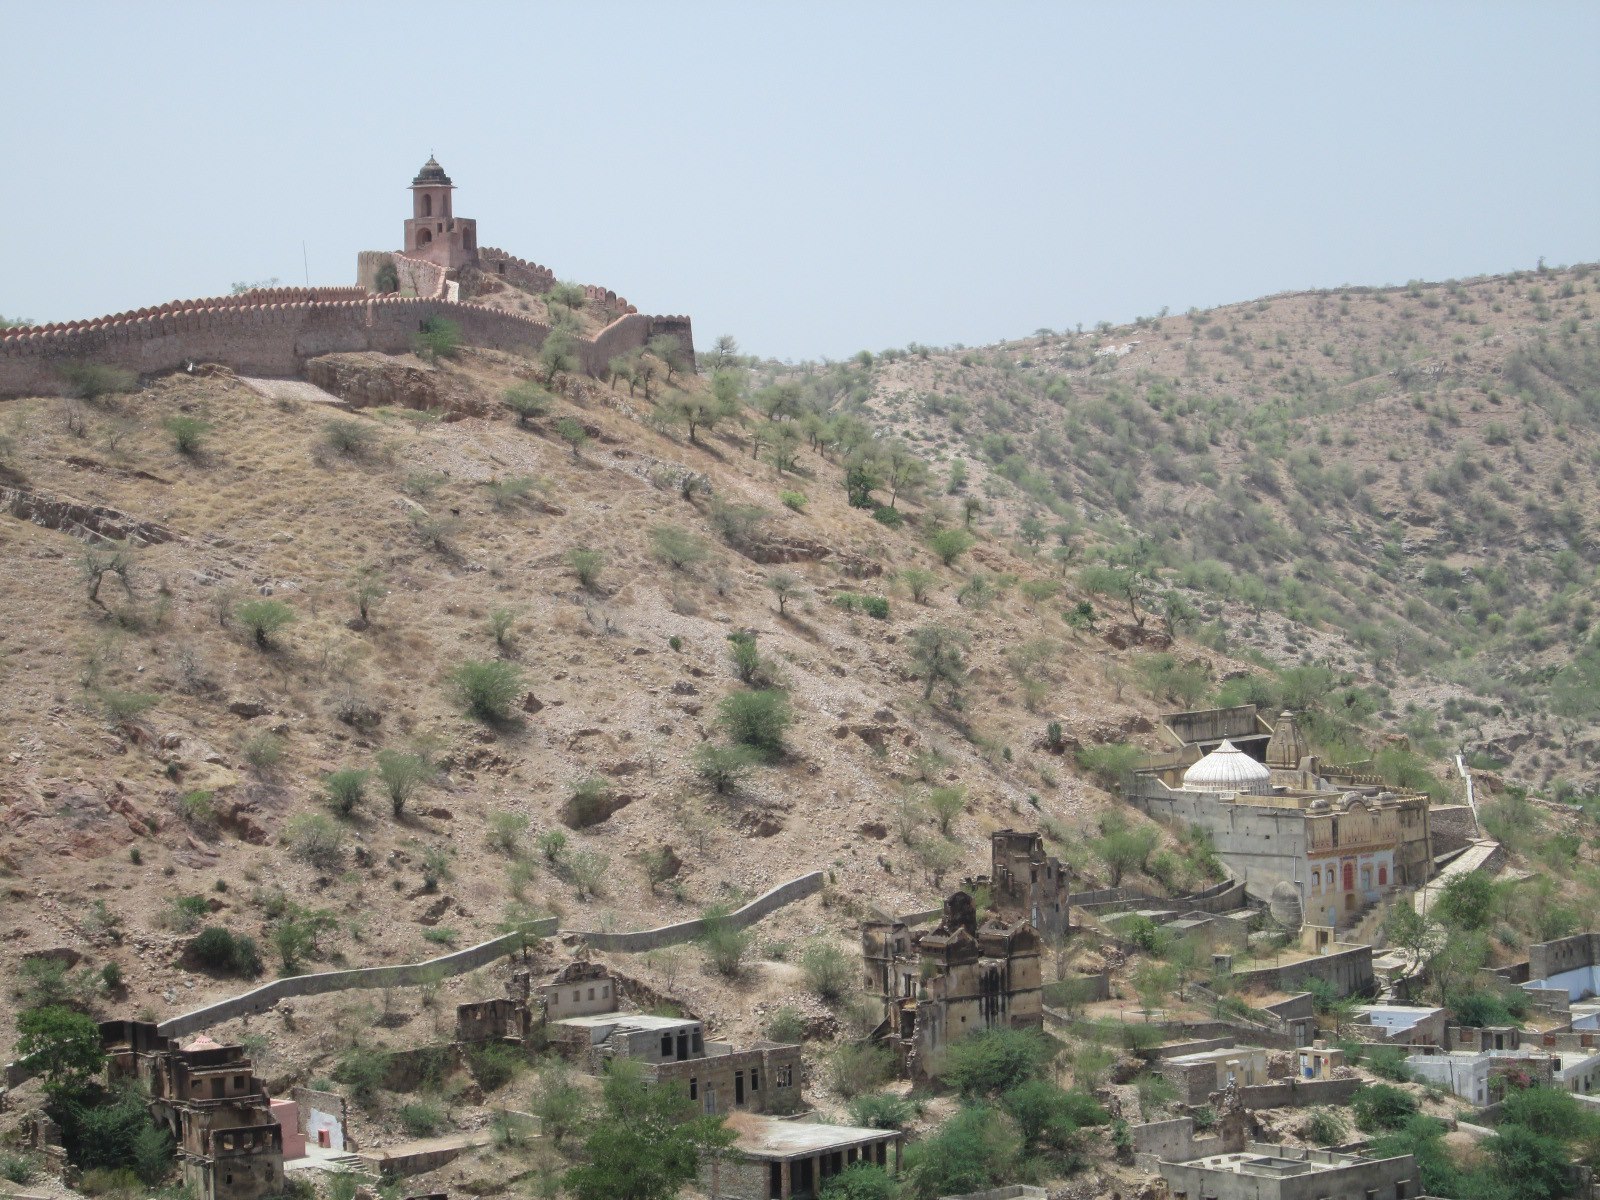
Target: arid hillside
[[188, 692], [1395, 487]]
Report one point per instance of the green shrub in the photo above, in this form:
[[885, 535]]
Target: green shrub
[[858, 1068], [973, 1151], [362, 1069], [493, 1065], [1380, 1106], [573, 434], [994, 1060], [353, 439], [919, 582], [794, 501], [345, 789], [589, 804], [586, 564], [552, 844], [187, 433], [756, 719], [828, 970], [487, 690], [677, 547], [950, 544], [421, 1118], [90, 381], [883, 1110], [946, 804], [1326, 1128], [124, 706], [859, 1181], [219, 949], [438, 338], [402, 775], [18, 1168], [316, 840], [724, 945], [263, 619], [786, 1025], [527, 400], [1109, 762], [506, 831], [885, 515], [263, 750], [873, 606]]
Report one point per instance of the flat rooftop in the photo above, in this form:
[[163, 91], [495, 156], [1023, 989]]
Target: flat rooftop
[[1211, 1056], [1271, 1166], [640, 1021], [767, 1137]]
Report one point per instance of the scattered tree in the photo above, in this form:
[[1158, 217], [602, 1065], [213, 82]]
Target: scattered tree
[[264, 619]]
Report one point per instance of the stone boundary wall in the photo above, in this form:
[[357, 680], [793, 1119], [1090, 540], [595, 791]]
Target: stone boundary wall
[[1221, 897], [1299, 1093], [685, 931], [1564, 954], [273, 339], [1349, 970], [261, 999]]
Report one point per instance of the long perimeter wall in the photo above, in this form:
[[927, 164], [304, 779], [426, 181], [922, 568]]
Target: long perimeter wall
[[263, 334]]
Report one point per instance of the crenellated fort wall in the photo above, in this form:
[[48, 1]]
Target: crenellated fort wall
[[271, 332]]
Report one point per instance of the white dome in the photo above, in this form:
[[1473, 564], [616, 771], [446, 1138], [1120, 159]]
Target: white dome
[[1227, 769]]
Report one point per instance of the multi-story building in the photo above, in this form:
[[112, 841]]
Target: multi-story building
[[228, 1140]]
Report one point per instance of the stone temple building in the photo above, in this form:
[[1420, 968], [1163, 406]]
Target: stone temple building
[[1322, 844], [955, 979]]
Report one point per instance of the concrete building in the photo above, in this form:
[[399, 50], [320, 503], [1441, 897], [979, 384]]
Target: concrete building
[[229, 1143], [938, 986], [1334, 840], [1263, 1171], [1318, 1061], [1480, 1076], [790, 1160], [1403, 1024], [717, 1076], [1197, 1075]]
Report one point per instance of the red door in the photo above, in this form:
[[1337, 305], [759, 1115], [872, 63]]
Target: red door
[[323, 1139], [1349, 877]]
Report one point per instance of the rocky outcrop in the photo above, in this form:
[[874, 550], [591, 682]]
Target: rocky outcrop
[[88, 522], [365, 380]]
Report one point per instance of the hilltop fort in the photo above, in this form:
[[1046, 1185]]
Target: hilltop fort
[[441, 272]]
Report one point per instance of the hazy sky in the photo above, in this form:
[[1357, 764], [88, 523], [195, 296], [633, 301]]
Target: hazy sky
[[813, 178]]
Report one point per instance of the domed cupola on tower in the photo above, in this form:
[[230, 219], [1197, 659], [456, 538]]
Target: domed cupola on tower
[[434, 232]]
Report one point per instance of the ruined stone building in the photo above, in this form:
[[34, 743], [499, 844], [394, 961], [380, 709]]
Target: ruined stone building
[[1027, 884], [960, 977], [1323, 844], [229, 1143]]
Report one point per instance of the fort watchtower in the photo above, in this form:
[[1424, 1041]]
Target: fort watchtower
[[434, 232]]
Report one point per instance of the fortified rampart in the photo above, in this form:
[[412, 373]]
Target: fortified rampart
[[254, 335]]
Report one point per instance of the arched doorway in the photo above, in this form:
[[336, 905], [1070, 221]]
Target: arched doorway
[[427, 206], [424, 237]]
